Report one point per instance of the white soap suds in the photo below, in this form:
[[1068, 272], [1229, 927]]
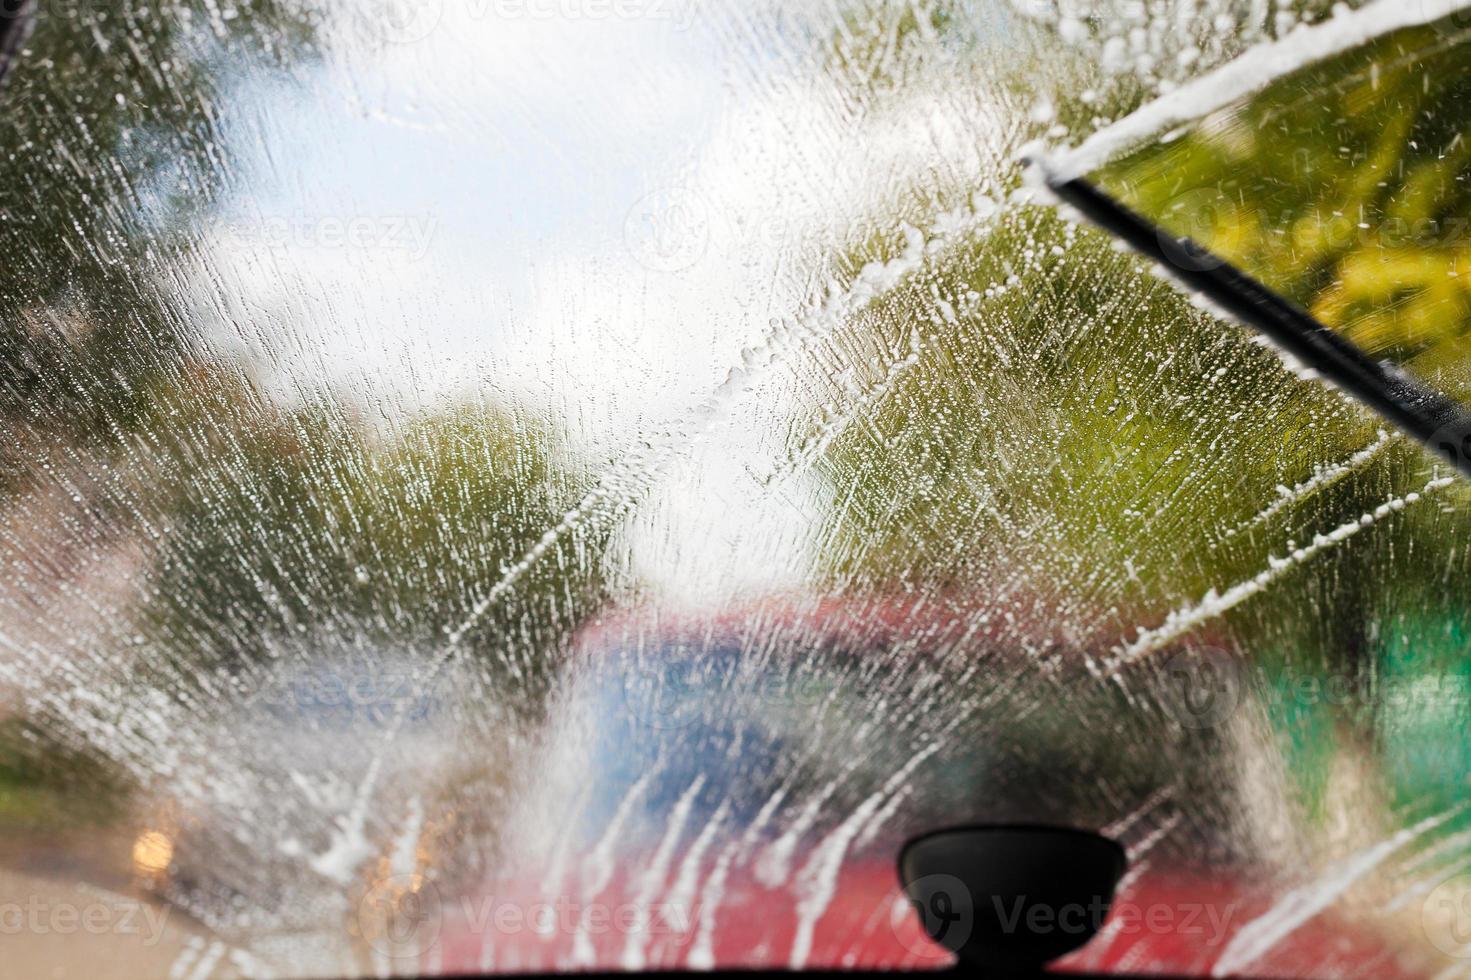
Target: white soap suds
[[1181, 621], [1259, 936], [1249, 73], [1322, 477]]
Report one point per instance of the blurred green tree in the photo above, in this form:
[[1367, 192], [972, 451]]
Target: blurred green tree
[[112, 145]]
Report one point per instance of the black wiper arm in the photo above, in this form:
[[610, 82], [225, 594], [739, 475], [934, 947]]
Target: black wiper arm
[[1440, 423], [16, 20]]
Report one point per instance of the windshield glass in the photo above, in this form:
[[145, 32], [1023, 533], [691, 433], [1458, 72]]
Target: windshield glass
[[1343, 186], [512, 485]]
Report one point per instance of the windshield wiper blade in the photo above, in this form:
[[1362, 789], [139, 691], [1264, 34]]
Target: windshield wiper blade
[[1441, 424]]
